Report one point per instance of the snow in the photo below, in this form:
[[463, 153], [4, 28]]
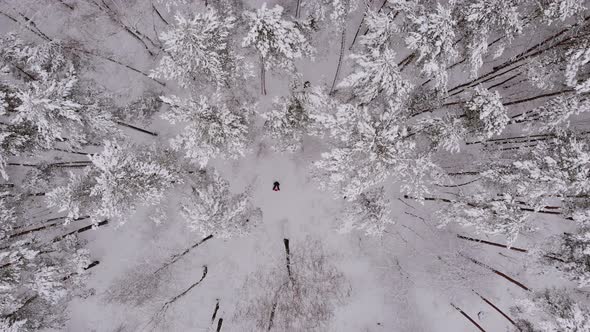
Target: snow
[[379, 288], [401, 270]]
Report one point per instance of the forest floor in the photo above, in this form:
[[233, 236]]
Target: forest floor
[[395, 280], [403, 281]]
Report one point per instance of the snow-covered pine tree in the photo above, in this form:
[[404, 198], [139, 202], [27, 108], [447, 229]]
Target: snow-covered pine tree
[[121, 177], [553, 309], [562, 62], [485, 113], [141, 110], [446, 132], [377, 74], [555, 113], [378, 145], [287, 123], [7, 215], [278, 42], [211, 208], [432, 35], [571, 254], [555, 170], [196, 49], [488, 214], [43, 103], [46, 106], [578, 66], [381, 30], [561, 9], [369, 212], [38, 279], [302, 113], [301, 294], [481, 20], [216, 127]]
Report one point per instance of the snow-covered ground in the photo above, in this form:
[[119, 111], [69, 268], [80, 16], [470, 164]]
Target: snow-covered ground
[[417, 276], [401, 282]]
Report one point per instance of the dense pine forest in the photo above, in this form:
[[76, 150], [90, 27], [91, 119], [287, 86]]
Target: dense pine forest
[[433, 159]]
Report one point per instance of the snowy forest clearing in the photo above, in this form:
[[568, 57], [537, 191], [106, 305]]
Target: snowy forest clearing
[[433, 160]]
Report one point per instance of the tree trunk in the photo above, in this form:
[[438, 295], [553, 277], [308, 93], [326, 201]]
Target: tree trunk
[[121, 123], [341, 56], [491, 243], [215, 311], [288, 258], [65, 4], [523, 208], [80, 230], [272, 315], [72, 164], [501, 274], [262, 76], [159, 14], [118, 63], [358, 30], [39, 34], [49, 223], [469, 318], [498, 310], [544, 95], [135, 34], [176, 257], [514, 140], [162, 311], [297, 8]]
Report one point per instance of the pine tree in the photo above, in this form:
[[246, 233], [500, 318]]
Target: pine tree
[[578, 58], [432, 35], [554, 310], [561, 9], [377, 73], [381, 29], [3, 156], [211, 208], [121, 178], [294, 117], [556, 169], [287, 123], [509, 193], [483, 19], [7, 215], [369, 212], [197, 49], [485, 113], [303, 295], [38, 279], [488, 214], [446, 132], [278, 42], [555, 113], [377, 145], [215, 127], [44, 102], [45, 105], [571, 254]]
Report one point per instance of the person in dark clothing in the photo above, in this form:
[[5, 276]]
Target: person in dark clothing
[[275, 186]]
